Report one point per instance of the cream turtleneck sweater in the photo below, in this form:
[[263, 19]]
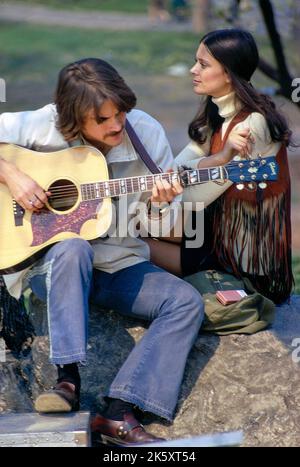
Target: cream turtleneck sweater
[[228, 106]]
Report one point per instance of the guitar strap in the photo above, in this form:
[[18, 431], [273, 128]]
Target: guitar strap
[[141, 150]]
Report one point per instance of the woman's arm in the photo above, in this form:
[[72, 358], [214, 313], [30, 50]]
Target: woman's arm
[[239, 142], [262, 143], [192, 153], [258, 142]]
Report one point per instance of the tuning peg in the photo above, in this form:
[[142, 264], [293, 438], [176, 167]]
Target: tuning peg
[[240, 186], [262, 185]]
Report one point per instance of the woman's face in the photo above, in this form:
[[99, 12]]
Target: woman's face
[[210, 77]]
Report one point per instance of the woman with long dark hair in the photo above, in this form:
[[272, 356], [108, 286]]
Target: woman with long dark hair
[[248, 232]]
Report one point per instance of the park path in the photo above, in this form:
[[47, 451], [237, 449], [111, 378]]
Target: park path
[[114, 21], [118, 21]]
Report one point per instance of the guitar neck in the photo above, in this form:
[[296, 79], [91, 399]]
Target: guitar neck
[[145, 183]]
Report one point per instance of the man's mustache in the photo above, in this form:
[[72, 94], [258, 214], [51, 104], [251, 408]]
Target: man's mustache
[[115, 133]]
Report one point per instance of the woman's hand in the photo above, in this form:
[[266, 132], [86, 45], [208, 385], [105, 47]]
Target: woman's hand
[[239, 141], [23, 188]]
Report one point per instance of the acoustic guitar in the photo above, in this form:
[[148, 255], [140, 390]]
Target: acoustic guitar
[[81, 192]]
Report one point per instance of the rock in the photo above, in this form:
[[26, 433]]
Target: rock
[[236, 382]]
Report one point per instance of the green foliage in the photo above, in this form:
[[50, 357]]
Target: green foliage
[[131, 6]]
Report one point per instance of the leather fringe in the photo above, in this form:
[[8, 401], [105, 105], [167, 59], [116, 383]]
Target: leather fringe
[[252, 229], [254, 238]]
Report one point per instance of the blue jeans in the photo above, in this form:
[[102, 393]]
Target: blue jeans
[[152, 374], [62, 279]]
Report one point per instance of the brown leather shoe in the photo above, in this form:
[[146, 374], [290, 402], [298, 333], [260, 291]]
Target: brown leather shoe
[[62, 398], [128, 432]]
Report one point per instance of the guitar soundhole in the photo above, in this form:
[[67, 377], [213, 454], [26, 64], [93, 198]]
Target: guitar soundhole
[[64, 195]]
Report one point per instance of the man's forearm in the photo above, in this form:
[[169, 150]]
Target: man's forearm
[[3, 169], [6, 168]]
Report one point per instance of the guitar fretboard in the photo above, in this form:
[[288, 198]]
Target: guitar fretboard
[[144, 183]]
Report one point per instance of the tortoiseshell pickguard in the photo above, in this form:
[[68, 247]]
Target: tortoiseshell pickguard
[[46, 224]]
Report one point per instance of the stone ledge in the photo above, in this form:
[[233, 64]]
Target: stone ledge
[[236, 382]]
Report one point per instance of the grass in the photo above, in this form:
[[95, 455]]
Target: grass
[[131, 6], [32, 51]]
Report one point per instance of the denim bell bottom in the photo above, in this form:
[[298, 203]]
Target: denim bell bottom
[[152, 374]]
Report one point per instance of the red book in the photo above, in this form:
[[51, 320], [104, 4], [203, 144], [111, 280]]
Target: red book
[[226, 297]]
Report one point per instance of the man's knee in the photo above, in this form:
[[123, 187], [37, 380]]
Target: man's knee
[[189, 299], [75, 250]]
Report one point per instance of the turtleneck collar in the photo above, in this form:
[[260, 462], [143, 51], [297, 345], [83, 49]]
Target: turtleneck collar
[[228, 105]]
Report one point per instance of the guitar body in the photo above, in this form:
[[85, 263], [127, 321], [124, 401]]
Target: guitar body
[[24, 235], [81, 192]]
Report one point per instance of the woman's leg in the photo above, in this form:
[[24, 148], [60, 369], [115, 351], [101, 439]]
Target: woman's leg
[[183, 256], [166, 255]]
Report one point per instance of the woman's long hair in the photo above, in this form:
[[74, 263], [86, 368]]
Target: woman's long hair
[[236, 50]]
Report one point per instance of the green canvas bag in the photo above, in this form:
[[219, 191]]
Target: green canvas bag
[[247, 316]]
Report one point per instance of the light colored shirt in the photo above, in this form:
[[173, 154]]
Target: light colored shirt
[[37, 130], [228, 107]]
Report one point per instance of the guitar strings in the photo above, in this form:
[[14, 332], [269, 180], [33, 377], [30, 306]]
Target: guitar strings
[[161, 175], [60, 190], [63, 194], [64, 188]]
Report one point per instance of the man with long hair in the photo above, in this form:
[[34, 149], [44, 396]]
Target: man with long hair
[[92, 104]]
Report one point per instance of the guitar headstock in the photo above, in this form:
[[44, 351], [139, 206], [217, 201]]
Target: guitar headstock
[[263, 169]]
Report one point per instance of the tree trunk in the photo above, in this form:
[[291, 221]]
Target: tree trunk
[[296, 21], [284, 77], [201, 15]]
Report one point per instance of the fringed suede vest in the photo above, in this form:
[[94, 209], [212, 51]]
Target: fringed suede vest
[[261, 221]]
